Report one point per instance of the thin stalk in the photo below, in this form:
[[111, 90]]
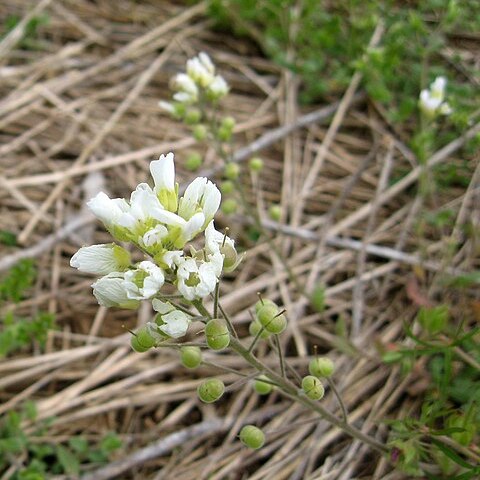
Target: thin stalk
[[291, 391], [280, 355], [227, 319], [339, 399]]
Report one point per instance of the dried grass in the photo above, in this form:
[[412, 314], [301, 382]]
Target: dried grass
[[82, 110]]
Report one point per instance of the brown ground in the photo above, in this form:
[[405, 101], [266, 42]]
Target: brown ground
[[80, 114]]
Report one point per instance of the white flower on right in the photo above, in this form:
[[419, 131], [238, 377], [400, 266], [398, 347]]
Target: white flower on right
[[432, 100], [217, 242], [196, 279]]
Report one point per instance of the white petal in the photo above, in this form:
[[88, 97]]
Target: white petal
[[193, 226], [110, 292], [100, 259], [206, 62], [176, 324], [189, 201], [163, 172], [162, 307], [154, 236], [211, 200]]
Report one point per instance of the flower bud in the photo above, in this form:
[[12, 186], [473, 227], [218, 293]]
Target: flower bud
[[192, 116], [313, 387], [200, 133], [191, 357], [217, 334], [256, 164], [255, 327], [261, 387], [252, 437], [275, 212], [232, 170], [210, 390], [229, 206], [226, 187], [142, 340], [193, 162], [321, 367]]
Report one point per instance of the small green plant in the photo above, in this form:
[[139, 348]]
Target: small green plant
[[19, 332], [29, 41], [41, 459]]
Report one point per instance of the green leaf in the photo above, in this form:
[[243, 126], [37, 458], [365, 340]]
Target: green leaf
[[453, 455], [433, 320], [68, 460]]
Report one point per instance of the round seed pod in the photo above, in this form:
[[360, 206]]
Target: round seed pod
[[255, 327], [228, 123], [200, 132], [142, 340], [275, 212], [232, 170], [261, 387], [217, 334], [312, 387], [321, 367], [277, 325], [191, 357], [229, 206], [210, 390], [194, 161], [263, 302], [252, 437], [224, 134], [227, 187], [192, 116], [266, 313], [256, 164]]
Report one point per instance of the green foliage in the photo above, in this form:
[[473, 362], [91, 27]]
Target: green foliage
[[41, 459], [451, 405], [18, 332], [29, 41], [325, 42]]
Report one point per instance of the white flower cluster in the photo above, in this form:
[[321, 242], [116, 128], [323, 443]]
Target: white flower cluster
[[199, 83], [160, 224], [432, 100]]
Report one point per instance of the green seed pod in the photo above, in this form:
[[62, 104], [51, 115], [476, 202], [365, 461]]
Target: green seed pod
[[317, 298], [256, 164], [252, 437], [210, 390], [232, 170], [229, 206], [321, 367], [200, 133], [217, 334], [277, 324], [261, 387], [313, 387], [228, 123], [191, 357], [266, 313], [275, 212], [263, 302], [224, 134], [193, 162], [179, 110], [255, 327], [192, 116], [142, 340], [227, 187]]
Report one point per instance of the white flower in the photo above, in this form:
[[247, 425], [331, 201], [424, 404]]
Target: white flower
[[216, 241], [167, 106], [110, 292], [171, 321], [154, 236], [218, 88], [143, 282], [107, 209], [101, 259], [187, 90], [196, 281], [173, 257], [201, 70], [163, 173], [432, 100], [201, 195]]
